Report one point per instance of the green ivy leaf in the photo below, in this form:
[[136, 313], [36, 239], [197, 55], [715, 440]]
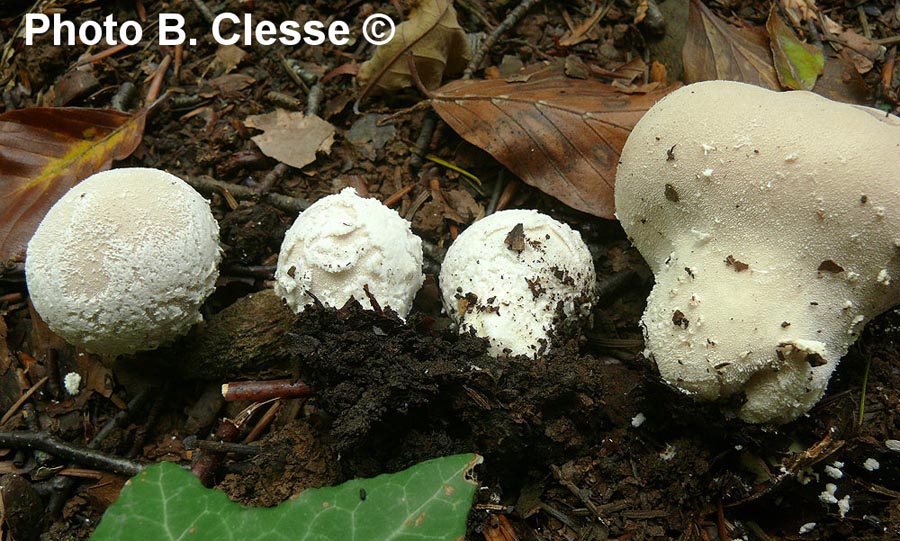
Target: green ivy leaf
[[429, 501]]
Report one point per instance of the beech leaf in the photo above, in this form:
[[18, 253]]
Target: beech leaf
[[560, 135], [292, 137], [45, 151], [437, 43], [797, 64], [429, 502], [715, 49]]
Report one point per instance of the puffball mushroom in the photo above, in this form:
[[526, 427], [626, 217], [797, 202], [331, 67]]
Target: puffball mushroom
[[518, 278], [124, 260], [344, 243], [772, 224]]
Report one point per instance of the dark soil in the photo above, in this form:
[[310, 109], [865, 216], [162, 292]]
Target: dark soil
[[565, 455]]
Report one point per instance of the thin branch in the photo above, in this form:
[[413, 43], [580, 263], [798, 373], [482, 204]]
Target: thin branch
[[510, 21], [209, 185], [48, 443]]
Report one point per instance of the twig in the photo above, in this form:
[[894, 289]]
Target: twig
[[862, 397], [423, 141], [15, 407], [271, 178], [615, 283], [495, 195], [63, 486], [264, 421], [204, 11], [221, 446], [512, 187], [119, 419], [106, 53], [864, 21], [720, 518], [263, 272], [314, 99], [576, 491], [158, 77], [123, 97], [510, 21], [397, 196], [48, 443], [204, 467], [888, 41], [293, 74], [140, 435], [209, 185], [264, 390]]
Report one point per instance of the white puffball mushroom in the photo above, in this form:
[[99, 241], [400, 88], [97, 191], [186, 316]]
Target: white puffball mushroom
[[767, 270], [124, 260], [518, 278], [343, 243]]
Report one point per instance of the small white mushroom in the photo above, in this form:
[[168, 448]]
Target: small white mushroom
[[124, 260], [343, 244], [519, 278], [789, 273]]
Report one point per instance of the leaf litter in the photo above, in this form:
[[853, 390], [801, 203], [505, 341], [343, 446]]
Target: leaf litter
[[535, 124]]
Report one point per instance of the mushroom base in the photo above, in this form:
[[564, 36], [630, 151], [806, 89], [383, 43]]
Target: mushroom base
[[737, 338]]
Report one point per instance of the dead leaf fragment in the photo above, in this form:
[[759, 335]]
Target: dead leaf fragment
[[862, 51], [437, 43], [797, 64], [292, 137], [560, 135], [715, 49], [583, 31], [46, 151], [227, 59]]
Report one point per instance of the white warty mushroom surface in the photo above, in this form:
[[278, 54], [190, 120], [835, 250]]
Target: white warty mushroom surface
[[342, 243], [772, 224], [124, 260], [518, 277]]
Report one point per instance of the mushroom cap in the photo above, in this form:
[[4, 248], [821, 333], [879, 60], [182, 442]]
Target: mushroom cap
[[342, 243], [772, 223], [518, 299], [124, 260]]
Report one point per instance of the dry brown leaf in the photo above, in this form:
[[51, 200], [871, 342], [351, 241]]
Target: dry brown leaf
[[292, 137], [715, 49], [560, 135], [46, 151], [582, 31], [438, 45], [862, 51], [227, 59]]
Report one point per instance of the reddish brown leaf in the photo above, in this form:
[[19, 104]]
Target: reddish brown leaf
[[46, 151], [561, 135], [715, 49]]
